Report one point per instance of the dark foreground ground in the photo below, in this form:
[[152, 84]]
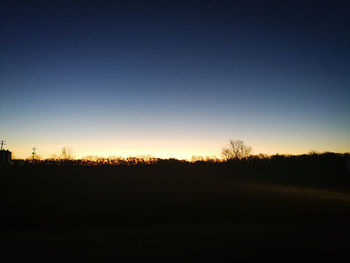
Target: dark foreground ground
[[172, 214]]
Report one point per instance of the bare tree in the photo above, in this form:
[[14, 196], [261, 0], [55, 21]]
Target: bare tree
[[236, 149], [66, 154]]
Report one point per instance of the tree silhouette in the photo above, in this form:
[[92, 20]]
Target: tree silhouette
[[66, 154], [236, 149]]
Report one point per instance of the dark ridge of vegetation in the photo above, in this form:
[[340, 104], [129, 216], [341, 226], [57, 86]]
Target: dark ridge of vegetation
[[330, 170], [256, 207]]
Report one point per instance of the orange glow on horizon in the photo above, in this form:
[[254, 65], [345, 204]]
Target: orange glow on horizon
[[156, 153], [176, 147]]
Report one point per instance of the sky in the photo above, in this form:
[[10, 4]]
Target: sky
[[174, 78]]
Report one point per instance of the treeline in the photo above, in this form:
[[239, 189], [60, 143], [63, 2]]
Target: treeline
[[320, 170], [325, 161], [96, 161]]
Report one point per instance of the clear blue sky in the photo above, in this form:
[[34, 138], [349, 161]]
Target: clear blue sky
[[174, 78]]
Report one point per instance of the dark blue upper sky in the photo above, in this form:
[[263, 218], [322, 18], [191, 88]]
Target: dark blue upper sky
[[166, 77]]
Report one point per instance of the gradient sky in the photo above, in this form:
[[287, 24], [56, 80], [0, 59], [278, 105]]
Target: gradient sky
[[174, 78]]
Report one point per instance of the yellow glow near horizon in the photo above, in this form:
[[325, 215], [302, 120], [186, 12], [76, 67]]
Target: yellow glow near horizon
[[48, 151], [176, 147], [185, 154]]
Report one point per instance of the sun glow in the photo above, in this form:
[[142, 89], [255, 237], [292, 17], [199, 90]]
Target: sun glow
[[163, 154]]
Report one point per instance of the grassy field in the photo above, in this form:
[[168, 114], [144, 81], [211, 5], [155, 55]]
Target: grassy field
[[174, 214]]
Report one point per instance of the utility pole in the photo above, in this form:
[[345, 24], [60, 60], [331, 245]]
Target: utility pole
[[2, 144], [33, 153]]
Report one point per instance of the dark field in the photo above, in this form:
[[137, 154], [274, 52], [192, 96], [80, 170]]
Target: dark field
[[172, 213]]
